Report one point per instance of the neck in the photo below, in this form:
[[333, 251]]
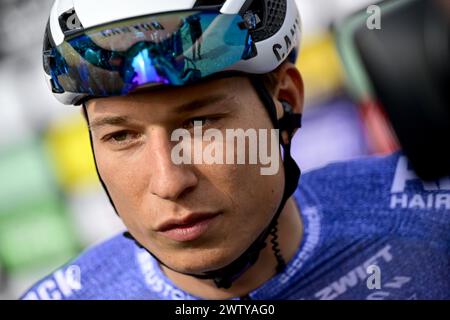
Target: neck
[[290, 233]]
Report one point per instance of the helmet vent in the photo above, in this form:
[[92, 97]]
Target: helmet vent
[[274, 15]]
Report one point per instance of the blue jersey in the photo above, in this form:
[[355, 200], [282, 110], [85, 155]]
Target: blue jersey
[[372, 230]]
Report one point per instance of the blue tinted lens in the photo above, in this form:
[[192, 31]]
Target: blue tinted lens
[[174, 49]]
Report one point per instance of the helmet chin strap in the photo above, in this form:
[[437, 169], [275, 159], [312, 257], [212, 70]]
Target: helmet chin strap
[[224, 277]]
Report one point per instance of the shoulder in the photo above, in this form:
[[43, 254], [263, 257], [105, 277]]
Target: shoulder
[[347, 185], [96, 274], [375, 180], [376, 211], [380, 194], [363, 172]]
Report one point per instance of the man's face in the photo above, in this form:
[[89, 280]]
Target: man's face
[[132, 144]]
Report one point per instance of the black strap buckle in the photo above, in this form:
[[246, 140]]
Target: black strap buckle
[[290, 121]]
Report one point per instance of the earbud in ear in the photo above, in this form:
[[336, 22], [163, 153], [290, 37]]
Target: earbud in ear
[[290, 121]]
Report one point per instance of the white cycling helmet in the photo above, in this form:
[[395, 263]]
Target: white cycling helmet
[[97, 48]]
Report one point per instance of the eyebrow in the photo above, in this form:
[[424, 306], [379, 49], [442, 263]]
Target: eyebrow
[[109, 120], [183, 108]]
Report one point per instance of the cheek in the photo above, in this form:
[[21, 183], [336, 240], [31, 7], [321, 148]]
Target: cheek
[[260, 197], [125, 181], [253, 197]]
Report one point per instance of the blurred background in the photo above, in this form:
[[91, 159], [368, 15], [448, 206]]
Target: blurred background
[[51, 203]]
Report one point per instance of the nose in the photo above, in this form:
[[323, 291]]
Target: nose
[[168, 180]]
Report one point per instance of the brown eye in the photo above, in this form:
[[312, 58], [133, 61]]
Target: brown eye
[[121, 137]]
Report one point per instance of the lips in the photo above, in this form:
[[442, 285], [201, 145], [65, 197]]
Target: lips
[[188, 228]]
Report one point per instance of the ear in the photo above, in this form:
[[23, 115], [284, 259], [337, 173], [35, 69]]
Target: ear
[[289, 88]]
